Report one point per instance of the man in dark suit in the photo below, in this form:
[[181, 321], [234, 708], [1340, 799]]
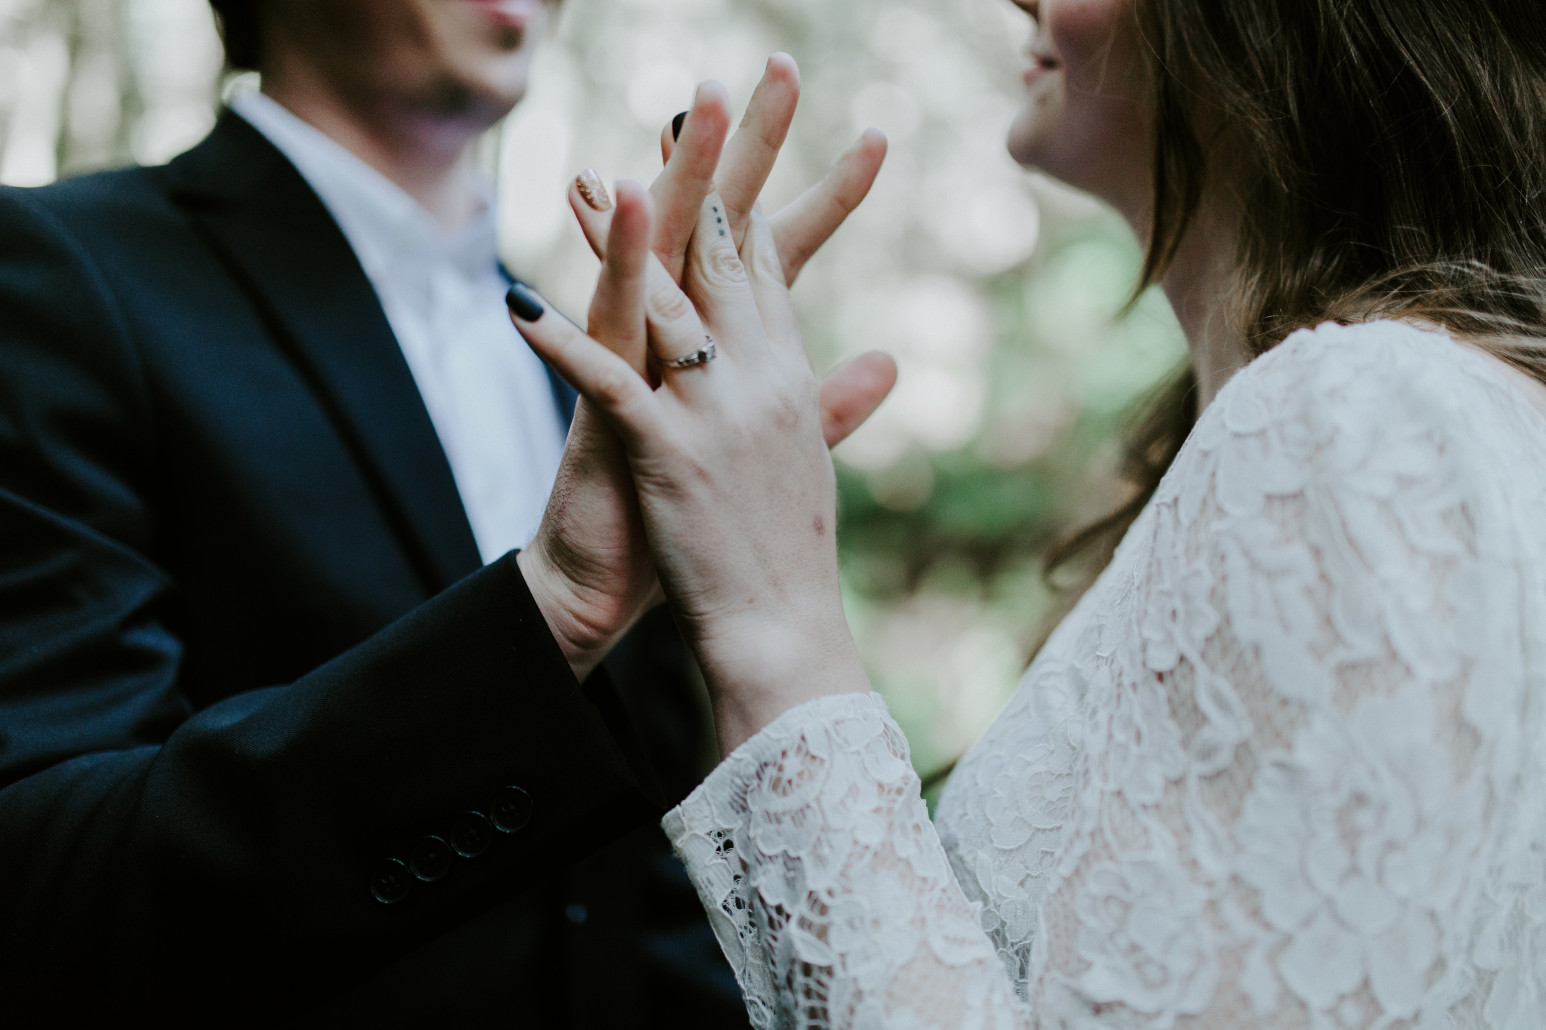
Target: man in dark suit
[[284, 734]]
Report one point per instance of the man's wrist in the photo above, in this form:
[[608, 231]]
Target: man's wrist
[[559, 604]]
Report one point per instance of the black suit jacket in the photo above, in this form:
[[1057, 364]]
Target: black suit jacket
[[250, 662]]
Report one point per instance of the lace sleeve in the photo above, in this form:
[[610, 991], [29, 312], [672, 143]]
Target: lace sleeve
[[1304, 789], [1308, 796], [813, 853]]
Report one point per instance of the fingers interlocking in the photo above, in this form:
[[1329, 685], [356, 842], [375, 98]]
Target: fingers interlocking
[[691, 269]]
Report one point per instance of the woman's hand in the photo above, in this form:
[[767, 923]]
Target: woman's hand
[[588, 567], [702, 160], [728, 458]]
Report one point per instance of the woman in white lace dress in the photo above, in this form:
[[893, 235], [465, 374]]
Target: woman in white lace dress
[[1284, 764]]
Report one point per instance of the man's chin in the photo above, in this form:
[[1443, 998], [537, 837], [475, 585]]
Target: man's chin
[[496, 102], [510, 38], [501, 81], [476, 95]]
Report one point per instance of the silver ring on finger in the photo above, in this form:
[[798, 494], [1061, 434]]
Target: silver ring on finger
[[702, 356]]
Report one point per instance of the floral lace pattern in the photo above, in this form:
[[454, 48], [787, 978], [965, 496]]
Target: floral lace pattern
[[1283, 766]]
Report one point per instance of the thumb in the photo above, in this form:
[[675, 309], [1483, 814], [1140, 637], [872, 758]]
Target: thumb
[[850, 395]]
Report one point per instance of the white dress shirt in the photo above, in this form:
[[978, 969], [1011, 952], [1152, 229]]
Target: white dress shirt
[[487, 394]]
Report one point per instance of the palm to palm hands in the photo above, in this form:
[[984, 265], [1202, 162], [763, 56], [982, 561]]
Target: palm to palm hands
[[661, 290]]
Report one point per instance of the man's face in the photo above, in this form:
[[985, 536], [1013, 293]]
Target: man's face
[[426, 57]]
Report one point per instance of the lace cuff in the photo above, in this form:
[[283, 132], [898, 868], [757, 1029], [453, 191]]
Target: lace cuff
[[704, 829], [812, 850]]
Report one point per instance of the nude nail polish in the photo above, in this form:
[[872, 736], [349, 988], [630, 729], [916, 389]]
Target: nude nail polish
[[593, 190]]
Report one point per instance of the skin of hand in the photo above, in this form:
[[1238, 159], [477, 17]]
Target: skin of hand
[[734, 481], [589, 567], [743, 168]]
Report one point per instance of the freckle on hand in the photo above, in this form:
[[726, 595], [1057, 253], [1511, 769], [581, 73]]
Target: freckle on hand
[[819, 526]]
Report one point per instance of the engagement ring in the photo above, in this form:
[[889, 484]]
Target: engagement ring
[[702, 355]]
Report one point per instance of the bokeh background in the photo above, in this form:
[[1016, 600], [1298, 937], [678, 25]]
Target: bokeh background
[[1000, 293]]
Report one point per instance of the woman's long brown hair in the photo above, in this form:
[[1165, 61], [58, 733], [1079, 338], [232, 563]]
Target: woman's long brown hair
[[1386, 159]]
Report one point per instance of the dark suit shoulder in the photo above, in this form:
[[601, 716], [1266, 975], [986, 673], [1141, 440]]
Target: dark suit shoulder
[[72, 251], [74, 401], [93, 208], [122, 209], [97, 191]]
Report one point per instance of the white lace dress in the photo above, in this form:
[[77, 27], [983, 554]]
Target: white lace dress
[[1283, 766]]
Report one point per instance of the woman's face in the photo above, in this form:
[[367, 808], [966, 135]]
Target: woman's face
[[1088, 100]]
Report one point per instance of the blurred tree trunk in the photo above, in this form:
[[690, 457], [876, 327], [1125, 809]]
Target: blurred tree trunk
[[102, 100], [88, 84]]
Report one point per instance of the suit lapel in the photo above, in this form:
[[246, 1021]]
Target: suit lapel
[[277, 236]]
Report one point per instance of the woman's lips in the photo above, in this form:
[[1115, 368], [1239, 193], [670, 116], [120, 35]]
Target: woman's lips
[[1041, 66]]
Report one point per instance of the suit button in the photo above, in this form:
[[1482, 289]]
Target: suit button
[[430, 859], [391, 881], [472, 835], [511, 810]]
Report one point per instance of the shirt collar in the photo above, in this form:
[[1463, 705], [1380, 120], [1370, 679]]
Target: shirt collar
[[389, 231]]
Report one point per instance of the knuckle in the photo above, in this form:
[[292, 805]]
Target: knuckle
[[722, 267], [630, 409], [765, 260], [614, 388], [789, 413], [787, 406], [668, 303], [843, 203]]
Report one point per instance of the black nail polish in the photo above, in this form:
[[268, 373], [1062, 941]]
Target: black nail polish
[[523, 302], [676, 125]]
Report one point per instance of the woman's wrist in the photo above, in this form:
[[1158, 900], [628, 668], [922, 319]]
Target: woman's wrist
[[760, 672]]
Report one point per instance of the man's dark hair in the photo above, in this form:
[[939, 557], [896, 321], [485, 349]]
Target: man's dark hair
[[238, 21]]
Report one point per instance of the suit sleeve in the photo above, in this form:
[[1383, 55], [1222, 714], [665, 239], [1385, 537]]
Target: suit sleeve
[[284, 841]]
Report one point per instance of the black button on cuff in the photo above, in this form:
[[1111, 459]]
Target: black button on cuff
[[472, 834], [391, 881], [511, 810], [430, 859]]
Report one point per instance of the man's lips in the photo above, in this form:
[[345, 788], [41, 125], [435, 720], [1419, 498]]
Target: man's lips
[[512, 13]]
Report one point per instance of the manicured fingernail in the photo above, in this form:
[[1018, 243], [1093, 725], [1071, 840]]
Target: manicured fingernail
[[676, 125], [593, 190], [523, 302]]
